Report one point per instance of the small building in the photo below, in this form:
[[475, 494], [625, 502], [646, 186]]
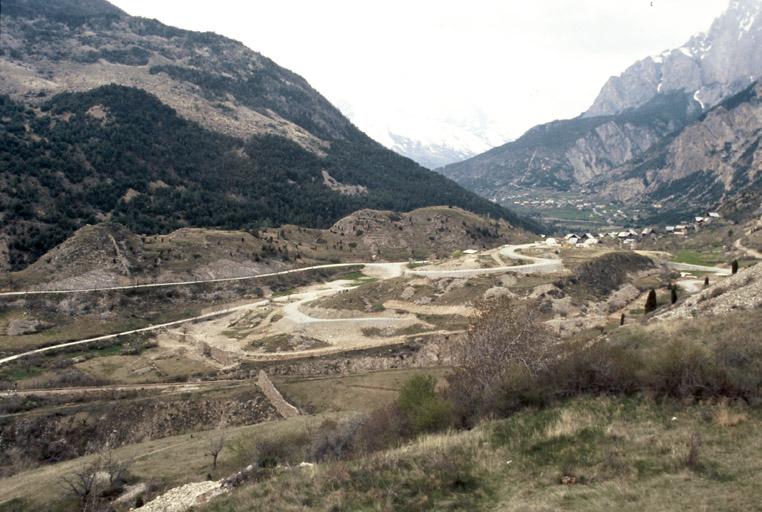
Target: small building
[[714, 215], [470, 251]]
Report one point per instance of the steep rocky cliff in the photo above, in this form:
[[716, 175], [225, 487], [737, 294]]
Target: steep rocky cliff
[[565, 154], [709, 67], [713, 162], [652, 135]]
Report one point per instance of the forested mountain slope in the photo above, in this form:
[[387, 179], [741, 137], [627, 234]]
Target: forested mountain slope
[[112, 117]]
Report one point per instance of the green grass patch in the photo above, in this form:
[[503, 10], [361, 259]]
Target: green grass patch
[[696, 257]]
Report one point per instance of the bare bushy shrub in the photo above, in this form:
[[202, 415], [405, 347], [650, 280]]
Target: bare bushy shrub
[[96, 483], [335, 440], [505, 340]]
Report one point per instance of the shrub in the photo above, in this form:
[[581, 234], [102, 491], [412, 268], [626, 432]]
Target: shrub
[[423, 409], [381, 429], [697, 359], [506, 340], [334, 440]]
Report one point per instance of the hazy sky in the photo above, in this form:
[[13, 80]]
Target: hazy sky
[[410, 62]]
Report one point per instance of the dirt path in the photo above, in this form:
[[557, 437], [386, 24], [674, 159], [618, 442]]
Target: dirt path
[[387, 267], [753, 253], [538, 265], [126, 333], [158, 386], [688, 267]]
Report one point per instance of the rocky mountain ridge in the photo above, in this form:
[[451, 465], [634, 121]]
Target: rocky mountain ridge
[[710, 66], [713, 161], [653, 135], [564, 154]]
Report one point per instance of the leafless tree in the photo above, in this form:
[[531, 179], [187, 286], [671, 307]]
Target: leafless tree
[[106, 473], [114, 470], [216, 445], [82, 484], [506, 337]]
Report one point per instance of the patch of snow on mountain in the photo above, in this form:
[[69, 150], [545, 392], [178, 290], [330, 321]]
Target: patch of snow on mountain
[[696, 97]]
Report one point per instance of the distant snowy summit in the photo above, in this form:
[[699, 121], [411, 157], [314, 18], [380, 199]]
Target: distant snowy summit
[[709, 67], [434, 143]]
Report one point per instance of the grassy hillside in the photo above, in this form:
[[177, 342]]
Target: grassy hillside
[[583, 454], [650, 418]]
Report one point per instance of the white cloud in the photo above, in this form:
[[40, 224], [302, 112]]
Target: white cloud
[[517, 63]]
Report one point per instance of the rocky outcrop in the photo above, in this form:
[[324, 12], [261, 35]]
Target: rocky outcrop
[[710, 66], [608, 145], [710, 162], [21, 326], [740, 291], [185, 497], [562, 155]]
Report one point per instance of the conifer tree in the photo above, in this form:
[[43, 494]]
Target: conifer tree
[[651, 301]]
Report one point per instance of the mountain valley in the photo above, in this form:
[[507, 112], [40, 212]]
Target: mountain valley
[[217, 294]]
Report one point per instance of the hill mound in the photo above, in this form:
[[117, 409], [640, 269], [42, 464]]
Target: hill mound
[[109, 254]]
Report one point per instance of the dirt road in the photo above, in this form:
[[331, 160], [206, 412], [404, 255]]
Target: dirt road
[[688, 267], [753, 253], [538, 265], [127, 333], [171, 387], [192, 282]]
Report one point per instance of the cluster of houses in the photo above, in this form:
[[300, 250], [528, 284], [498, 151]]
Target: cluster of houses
[[631, 236], [683, 228]]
